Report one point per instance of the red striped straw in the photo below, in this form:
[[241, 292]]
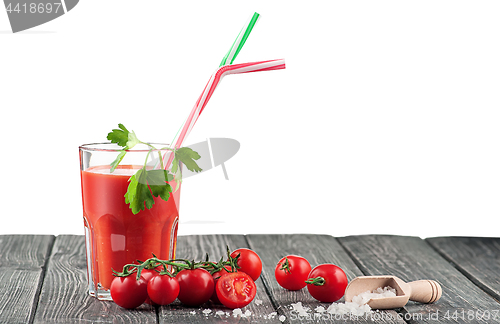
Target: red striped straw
[[209, 90]]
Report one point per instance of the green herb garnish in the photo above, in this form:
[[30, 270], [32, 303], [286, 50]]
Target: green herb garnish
[[145, 184]]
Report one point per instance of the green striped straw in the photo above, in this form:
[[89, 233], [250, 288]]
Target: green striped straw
[[240, 40], [235, 48]]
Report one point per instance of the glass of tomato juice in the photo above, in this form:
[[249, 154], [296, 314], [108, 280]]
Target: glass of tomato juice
[[114, 236]]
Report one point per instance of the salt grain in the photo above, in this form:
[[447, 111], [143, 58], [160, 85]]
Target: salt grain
[[258, 302], [282, 318], [236, 312], [301, 310], [220, 313], [207, 311]]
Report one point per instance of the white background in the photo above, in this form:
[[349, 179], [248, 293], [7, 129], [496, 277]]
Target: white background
[[386, 119]]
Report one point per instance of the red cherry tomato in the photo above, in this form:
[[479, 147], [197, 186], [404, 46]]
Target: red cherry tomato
[[128, 292], [216, 276], [249, 262], [163, 289], [196, 286], [292, 272], [327, 283], [235, 289], [148, 274]]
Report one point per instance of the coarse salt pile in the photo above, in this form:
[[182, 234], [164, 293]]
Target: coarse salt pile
[[358, 306], [238, 312], [363, 298]]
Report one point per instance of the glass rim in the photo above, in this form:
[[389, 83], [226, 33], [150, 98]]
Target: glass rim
[[100, 147]]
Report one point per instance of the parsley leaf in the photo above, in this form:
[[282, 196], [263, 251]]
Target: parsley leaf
[[157, 183], [119, 136], [123, 137], [132, 140], [145, 184], [187, 156]]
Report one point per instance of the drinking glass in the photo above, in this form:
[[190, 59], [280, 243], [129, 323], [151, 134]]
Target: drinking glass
[[114, 236]]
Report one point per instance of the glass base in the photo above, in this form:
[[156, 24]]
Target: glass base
[[100, 294]]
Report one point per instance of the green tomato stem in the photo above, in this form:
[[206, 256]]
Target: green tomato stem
[[285, 266], [318, 281]]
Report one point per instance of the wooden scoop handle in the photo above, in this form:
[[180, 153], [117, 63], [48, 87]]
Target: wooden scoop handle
[[425, 291]]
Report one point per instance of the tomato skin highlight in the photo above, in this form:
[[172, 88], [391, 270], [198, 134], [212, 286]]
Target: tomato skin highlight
[[294, 277], [196, 286], [335, 283], [249, 262], [235, 289], [163, 289], [128, 292]]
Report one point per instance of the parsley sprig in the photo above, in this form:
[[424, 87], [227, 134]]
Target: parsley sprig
[[146, 183]]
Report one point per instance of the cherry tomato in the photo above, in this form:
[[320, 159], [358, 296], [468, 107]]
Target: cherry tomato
[[249, 262], [216, 276], [163, 289], [327, 283], [128, 292], [292, 272], [148, 274], [235, 289], [196, 286]]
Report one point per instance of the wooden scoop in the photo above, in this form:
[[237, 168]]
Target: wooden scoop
[[423, 291]]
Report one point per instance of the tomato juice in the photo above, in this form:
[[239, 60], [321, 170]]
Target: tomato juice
[[114, 235]]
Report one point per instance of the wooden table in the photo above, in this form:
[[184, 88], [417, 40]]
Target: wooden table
[[43, 279]]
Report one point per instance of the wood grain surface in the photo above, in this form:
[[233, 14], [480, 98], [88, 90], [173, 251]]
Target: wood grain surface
[[22, 267], [478, 258], [43, 279], [411, 258], [64, 297]]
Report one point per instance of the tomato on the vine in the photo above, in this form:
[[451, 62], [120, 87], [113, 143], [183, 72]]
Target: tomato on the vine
[[292, 272], [163, 289], [327, 283], [235, 289], [249, 262], [196, 286], [128, 292]]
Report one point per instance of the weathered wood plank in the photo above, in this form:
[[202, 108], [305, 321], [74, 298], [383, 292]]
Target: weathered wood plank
[[478, 258], [64, 297], [22, 261], [195, 247], [411, 258], [317, 249], [24, 251]]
